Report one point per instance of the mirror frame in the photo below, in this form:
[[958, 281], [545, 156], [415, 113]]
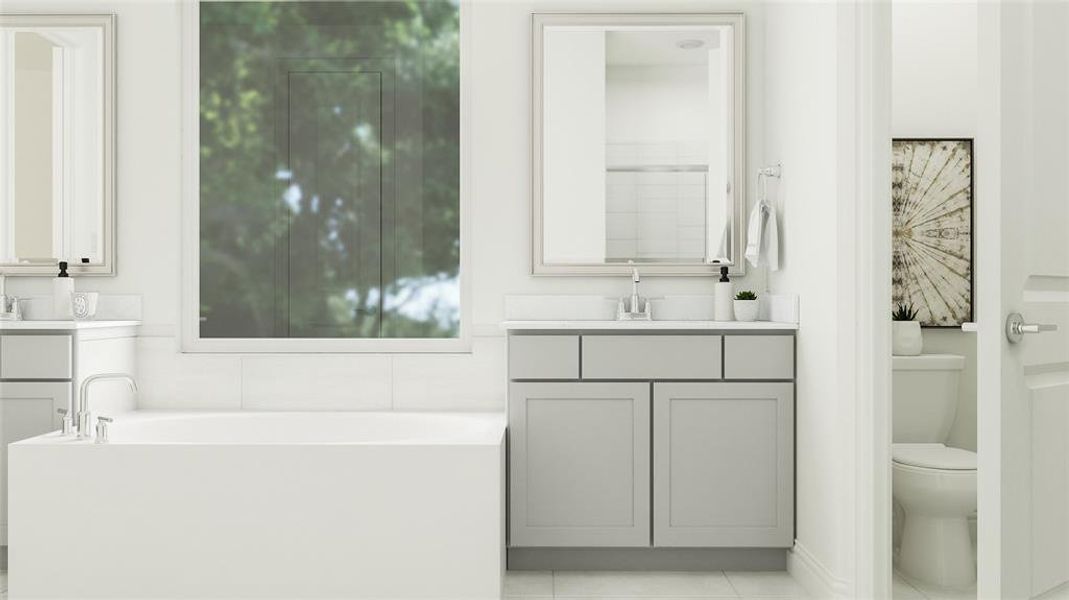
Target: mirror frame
[[106, 22], [737, 21]]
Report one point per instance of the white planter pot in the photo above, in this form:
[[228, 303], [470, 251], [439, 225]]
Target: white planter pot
[[745, 310], [906, 338]]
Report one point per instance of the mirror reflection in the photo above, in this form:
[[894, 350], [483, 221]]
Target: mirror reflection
[[638, 153], [53, 143]]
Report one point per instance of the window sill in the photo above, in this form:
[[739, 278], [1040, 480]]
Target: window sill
[[461, 345]]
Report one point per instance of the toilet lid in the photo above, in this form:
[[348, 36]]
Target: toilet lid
[[934, 456]]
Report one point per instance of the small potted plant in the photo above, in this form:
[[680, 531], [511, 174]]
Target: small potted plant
[[745, 306], [906, 337]]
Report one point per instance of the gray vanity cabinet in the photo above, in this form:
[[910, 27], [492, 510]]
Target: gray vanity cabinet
[[663, 442], [723, 472], [579, 464]]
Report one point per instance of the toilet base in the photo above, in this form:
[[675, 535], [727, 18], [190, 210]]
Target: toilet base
[[937, 551]]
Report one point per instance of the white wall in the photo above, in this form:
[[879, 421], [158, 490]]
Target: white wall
[[935, 90], [149, 186], [801, 132], [658, 103]]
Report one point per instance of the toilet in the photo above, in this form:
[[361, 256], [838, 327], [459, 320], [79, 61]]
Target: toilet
[[934, 484]]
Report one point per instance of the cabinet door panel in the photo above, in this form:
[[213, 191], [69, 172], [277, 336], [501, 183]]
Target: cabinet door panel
[[579, 456], [723, 464], [26, 410]]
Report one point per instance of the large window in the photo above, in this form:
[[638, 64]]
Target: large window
[[329, 170]]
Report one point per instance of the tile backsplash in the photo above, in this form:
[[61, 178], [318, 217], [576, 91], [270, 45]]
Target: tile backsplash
[[110, 307]]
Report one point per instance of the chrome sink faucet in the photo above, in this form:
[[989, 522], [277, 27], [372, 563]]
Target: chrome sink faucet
[[634, 289], [82, 421], [9, 305], [636, 308]]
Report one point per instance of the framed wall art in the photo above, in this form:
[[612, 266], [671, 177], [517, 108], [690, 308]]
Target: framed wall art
[[932, 250]]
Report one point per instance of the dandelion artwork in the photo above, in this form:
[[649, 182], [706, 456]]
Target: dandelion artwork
[[931, 199]]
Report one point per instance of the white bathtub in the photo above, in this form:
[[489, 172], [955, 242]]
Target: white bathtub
[[262, 505]]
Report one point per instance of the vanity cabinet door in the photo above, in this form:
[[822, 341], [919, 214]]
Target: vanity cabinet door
[[723, 464], [579, 464], [26, 410]]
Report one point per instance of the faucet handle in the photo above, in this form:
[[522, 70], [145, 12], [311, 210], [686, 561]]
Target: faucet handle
[[102, 429], [68, 422]]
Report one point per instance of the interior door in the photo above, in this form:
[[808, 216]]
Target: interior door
[[1023, 253]]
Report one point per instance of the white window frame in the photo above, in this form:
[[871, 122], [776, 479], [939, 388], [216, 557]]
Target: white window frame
[[190, 305]]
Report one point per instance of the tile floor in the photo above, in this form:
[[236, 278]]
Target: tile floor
[[905, 589], [618, 585]]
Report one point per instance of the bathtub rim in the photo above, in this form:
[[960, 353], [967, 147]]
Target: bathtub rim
[[494, 435]]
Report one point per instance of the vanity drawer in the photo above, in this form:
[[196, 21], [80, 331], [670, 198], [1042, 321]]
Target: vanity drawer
[[544, 357], [759, 357], [651, 357], [35, 356]]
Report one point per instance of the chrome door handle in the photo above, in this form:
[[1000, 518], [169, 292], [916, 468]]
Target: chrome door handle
[[1016, 328]]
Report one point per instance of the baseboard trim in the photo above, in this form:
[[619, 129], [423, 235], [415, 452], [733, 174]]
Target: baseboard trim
[[647, 559], [813, 575]]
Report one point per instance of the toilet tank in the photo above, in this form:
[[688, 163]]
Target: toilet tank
[[924, 396]]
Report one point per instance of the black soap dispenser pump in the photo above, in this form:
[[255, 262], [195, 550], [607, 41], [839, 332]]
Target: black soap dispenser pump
[[723, 309], [62, 288]]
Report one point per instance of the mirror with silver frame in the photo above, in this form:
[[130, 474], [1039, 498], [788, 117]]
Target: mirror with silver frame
[[639, 132], [57, 143]]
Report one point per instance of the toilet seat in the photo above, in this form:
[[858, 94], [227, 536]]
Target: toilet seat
[[933, 456]]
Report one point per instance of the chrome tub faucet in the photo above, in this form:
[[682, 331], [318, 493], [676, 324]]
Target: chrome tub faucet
[[83, 426]]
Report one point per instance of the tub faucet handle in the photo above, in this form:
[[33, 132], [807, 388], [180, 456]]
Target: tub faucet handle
[[68, 421], [102, 429]]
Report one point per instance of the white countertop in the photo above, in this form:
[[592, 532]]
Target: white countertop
[[650, 325], [63, 325]]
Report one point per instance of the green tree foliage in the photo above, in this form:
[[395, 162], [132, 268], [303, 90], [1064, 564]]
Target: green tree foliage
[[329, 169]]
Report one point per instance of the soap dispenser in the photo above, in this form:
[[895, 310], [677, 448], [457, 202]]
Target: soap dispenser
[[723, 309], [62, 287]]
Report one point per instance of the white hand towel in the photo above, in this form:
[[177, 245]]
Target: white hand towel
[[772, 238], [762, 236], [753, 234]]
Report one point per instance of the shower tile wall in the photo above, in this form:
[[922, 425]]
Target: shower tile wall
[[655, 216]]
